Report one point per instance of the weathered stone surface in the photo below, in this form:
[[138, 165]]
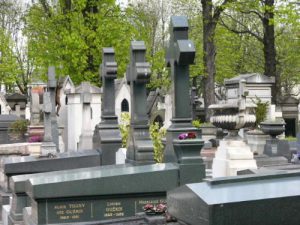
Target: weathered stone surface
[[247, 200], [29, 164]]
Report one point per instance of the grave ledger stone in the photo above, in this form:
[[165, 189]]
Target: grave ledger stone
[[140, 147], [107, 136], [261, 200], [180, 54], [31, 165]]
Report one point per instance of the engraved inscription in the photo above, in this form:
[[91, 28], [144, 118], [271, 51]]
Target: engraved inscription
[[113, 209], [71, 211]]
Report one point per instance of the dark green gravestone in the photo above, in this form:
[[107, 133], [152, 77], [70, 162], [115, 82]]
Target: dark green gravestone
[[140, 147], [107, 136], [101, 195], [244, 200], [20, 199], [180, 54], [109, 193]]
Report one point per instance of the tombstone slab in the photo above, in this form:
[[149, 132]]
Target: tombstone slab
[[107, 136], [247, 200]]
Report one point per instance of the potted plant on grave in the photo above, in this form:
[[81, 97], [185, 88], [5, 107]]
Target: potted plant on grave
[[256, 138]]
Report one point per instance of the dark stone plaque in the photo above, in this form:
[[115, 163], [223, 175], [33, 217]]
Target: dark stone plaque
[[56, 211]]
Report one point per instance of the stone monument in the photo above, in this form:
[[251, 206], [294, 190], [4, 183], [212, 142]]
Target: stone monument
[[233, 154], [48, 146], [85, 139], [113, 194], [140, 148], [107, 136], [52, 83], [248, 200], [180, 54]]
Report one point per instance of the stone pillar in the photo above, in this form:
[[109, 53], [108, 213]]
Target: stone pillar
[[47, 146], [85, 140], [18, 110], [107, 136], [140, 148], [35, 109], [52, 90], [180, 54]]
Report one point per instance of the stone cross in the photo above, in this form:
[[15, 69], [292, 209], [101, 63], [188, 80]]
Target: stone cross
[[140, 148], [180, 54], [52, 90], [47, 109], [107, 136], [109, 74], [138, 75]]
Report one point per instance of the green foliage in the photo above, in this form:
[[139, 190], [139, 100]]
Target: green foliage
[[19, 127], [260, 111], [290, 138], [196, 123], [157, 134], [125, 128], [72, 40]]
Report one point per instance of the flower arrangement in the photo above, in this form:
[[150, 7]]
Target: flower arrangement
[[35, 139]]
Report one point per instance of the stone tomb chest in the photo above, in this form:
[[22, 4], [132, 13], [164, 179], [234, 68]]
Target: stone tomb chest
[[246, 200], [257, 85]]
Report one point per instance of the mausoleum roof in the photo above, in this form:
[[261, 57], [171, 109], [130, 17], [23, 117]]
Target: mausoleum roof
[[254, 78], [92, 89]]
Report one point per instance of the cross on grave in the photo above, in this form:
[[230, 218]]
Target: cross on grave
[[140, 149], [47, 146], [52, 83], [108, 70], [107, 136], [180, 54]]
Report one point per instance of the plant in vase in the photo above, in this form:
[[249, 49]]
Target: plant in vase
[[255, 137]]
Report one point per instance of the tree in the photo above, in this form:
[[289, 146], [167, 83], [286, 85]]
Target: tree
[[16, 66], [70, 36], [260, 14], [210, 18]]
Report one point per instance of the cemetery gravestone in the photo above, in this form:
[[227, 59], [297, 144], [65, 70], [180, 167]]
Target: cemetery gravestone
[[180, 54], [107, 136], [140, 147], [52, 85], [48, 146], [248, 200], [85, 140]]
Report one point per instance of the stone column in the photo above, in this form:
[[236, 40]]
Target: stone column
[[18, 110], [85, 140], [107, 135], [52, 90], [140, 148], [180, 54], [47, 146]]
